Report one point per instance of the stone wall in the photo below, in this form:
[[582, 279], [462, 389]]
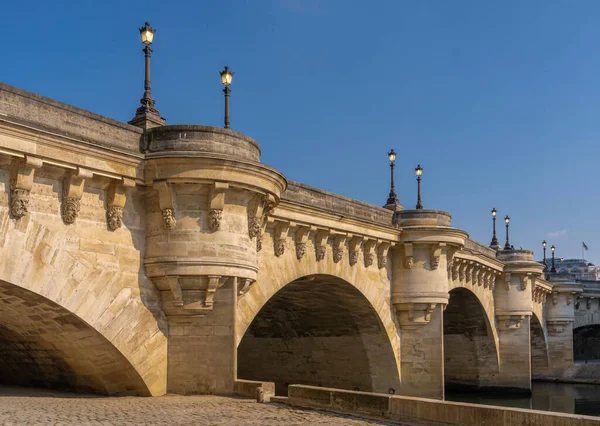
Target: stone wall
[[470, 353], [318, 331], [56, 118], [94, 274]]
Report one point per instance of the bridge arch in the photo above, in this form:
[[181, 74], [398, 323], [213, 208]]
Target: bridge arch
[[44, 344], [539, 348], [356, 295], [92, 278], [319, 330], [586, 343], [470, 342]]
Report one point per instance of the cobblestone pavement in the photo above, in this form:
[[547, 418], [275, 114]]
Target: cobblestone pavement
[[26, 406]]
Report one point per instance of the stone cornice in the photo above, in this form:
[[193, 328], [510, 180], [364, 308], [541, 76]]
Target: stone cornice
[[208, 168], [433, 234], [68, 153], [480, 258], [289, 211]]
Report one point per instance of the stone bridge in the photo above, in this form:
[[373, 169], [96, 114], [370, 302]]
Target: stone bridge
[[169, 259]]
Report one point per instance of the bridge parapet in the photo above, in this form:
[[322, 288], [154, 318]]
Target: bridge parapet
[[514, 298]]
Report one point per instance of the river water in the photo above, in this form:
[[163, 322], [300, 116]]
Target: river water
[[547, 396]]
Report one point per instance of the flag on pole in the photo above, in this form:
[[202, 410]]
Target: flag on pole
[[584, 246]]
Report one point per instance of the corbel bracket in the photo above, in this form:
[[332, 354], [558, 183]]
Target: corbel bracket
[[338, 247], [301, 239], [507, 277], [279, 239], [165, 203], [116, 201], [436, 253], [526, 279], [382, 254], [409, 258], [217, 203], [321, 238], [369, 252], [354, 249], [244, 285], [21, 183], [73, 184]]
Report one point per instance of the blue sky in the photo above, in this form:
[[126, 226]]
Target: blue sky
[[498, 101]]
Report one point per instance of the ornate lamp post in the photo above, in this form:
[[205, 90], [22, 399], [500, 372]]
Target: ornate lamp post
[[147, 115], [507, 245], [392, 201], [226, 78], [419, 172], [494, 243], [553, 269], [545, 263]]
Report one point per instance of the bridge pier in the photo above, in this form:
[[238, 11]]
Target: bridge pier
[[514, 308], [420, 294], [560, 319], [205, 207], [202, 348]]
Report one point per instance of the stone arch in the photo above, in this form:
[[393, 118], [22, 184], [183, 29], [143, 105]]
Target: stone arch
[[319, 330], [586, 343], [275, 272], [470, 348], [44, 344], [539, 348], [95, 276]]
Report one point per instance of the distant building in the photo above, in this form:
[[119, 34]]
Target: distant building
[[579, 269]]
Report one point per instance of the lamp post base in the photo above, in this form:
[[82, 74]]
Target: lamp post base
[[147, 120]]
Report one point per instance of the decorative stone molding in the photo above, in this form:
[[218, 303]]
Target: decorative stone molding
[[436, 253], [449, 267], [301, 239], [217, 204], [414, 315], [258, 211], [510, 322], [409, 258], [477, 275], [589, 302], [166, 204], [369, 252], [21, 183], [197, 295], [462, 271], [338, 248], [321, 238], [382, 254], [354, 249], [279, 239], [173, 282], [169, 220], [507, 278], [473, 272], [244, 285], [73, 184], [539, 292], [569, 298], [254, 226], [214, 282], [469, 272], [555, 298], [214, 219], [526, 279], [116, 201]]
